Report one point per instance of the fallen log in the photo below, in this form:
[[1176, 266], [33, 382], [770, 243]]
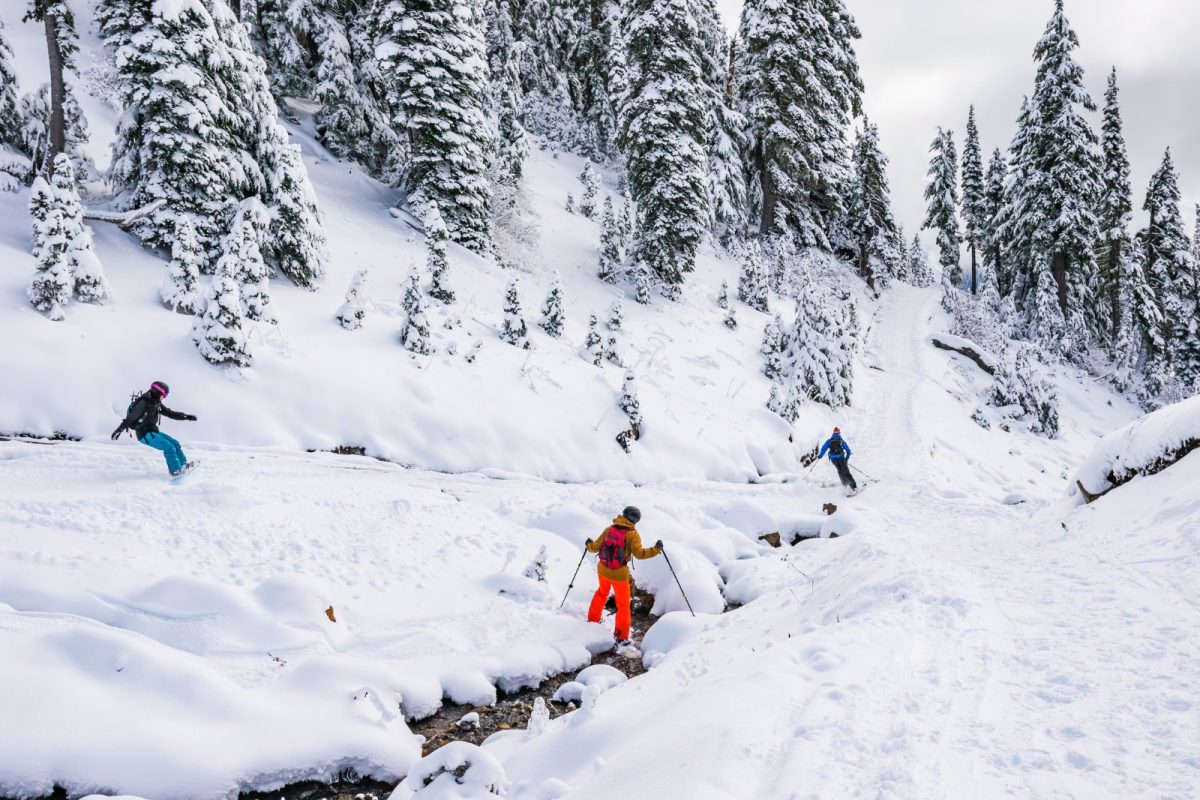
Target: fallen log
[[964, 347], [123, 219]]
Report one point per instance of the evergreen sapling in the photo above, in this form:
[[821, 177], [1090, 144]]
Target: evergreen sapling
[[51, 287], [436, 262], [219, 333], [353, 311], [594, 343], [513, 330], [591, 186], [180, 290], [415, 333], [553, 316]]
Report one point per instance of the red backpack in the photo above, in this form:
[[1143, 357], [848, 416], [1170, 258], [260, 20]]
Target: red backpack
[[612, 548]]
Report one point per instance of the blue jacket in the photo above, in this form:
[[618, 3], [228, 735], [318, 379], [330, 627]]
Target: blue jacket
[[828, 442]]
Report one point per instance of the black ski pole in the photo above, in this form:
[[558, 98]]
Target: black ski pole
[[860, 472], [677, 583], [573, 577]]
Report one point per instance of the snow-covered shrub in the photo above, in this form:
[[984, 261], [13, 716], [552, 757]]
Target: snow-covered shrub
[[51, 287], [774, 343], [594, 343], [1021, 390], [723, 295], [352, 313], [553, 315], [615, 316], [752, 280], [180, 290], [415, 333], [456, 771], [570, 205], [539, 718], [731, 318], [633, 412], [513, 330], [436, 264], [536, 571], [219, 333], [611, 353]]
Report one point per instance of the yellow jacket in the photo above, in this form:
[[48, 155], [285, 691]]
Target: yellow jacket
[[633, 549]]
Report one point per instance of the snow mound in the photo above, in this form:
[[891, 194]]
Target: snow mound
[[600, 677], [457, 771], [1143, 447]]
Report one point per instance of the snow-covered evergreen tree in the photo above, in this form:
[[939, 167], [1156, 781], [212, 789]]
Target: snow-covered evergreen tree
[[918, 264], [50, 290], [662, 134], [87, 275], [974, 203], [10, 110], [512, 142], [219, 333], [536, 571], [642, 283], [1115, 208], [296, 244], [726, 131], [436, 262], [434, 54], [591, 186], [1172, 273], [1047, 324], [553, 315], [611, 257], [594, 344], [415, 333], [774, 345], [803, 376], [871, 221], [723, 295], [993, 201], [731, 318], [797, 83], [1125, 348], [241, 253], [1021, 390], [570, 204], [180, 291], [941, 215], [752, 279], [611, 353], [354, 311], [514, 331]]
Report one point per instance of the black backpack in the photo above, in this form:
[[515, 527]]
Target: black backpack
[[133, 401], [836, 448]]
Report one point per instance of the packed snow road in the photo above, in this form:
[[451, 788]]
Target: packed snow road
[[952, 642]]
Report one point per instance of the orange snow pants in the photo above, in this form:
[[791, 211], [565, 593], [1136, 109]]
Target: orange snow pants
[[621, 590]]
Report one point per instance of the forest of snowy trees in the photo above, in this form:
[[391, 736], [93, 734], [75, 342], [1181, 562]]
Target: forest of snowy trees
[[754, 143], [1048, 229]]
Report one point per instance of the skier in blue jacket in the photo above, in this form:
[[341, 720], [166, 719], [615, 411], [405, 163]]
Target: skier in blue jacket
[[839, 455]]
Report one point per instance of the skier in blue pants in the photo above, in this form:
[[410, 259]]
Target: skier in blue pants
[[142, 418], [839, 456]]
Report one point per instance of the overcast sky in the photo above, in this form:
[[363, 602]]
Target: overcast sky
[[925, 61]]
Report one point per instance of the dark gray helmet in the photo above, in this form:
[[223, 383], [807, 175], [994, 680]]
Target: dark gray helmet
[[632, 513]]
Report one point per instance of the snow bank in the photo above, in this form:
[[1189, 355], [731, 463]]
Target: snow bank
[[1142, 447]]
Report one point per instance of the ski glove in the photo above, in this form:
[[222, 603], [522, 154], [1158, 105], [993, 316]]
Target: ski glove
[[587, 543], [190, 417], [659, 544], [117, 433]]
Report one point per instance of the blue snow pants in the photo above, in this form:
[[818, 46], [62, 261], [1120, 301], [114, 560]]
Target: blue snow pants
[[170, 449]]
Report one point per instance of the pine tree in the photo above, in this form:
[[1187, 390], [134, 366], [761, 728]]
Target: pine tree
[[1115, 207], [974, 203], [942, 213], [774, 345], [1172, 273], [591, 185], [240, 251], [642, 283], [782, 262], [804, 375], [993, 203], [723, 295], [662, 134], [1125, 348], [353, 311], [180, 288], [871, 221], [633, 412], [553, 315], [87, 274], [797, 83], [1020, 388], [615, 315], [50, 290], [415, 333], [570, 204], [1048, 324], [433, 50], [219, 333], [10, 112], [611, 257], [512, 142], [594, 343], [62, 45], [611, 353], [436, 263], [918, 264], [752, 280], [514, 331], [726, 131], [296, 244]]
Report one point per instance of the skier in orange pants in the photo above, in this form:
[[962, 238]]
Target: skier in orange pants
[[619, 542]]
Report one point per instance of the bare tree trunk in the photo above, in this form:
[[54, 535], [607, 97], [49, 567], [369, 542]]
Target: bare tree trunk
[[58, 121], [236, 5], [864, 268], [1060, 278], [974, 273], [769, 200]]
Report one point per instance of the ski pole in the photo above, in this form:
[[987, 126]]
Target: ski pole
[[677, 583], [860, 472], [573, 577]]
